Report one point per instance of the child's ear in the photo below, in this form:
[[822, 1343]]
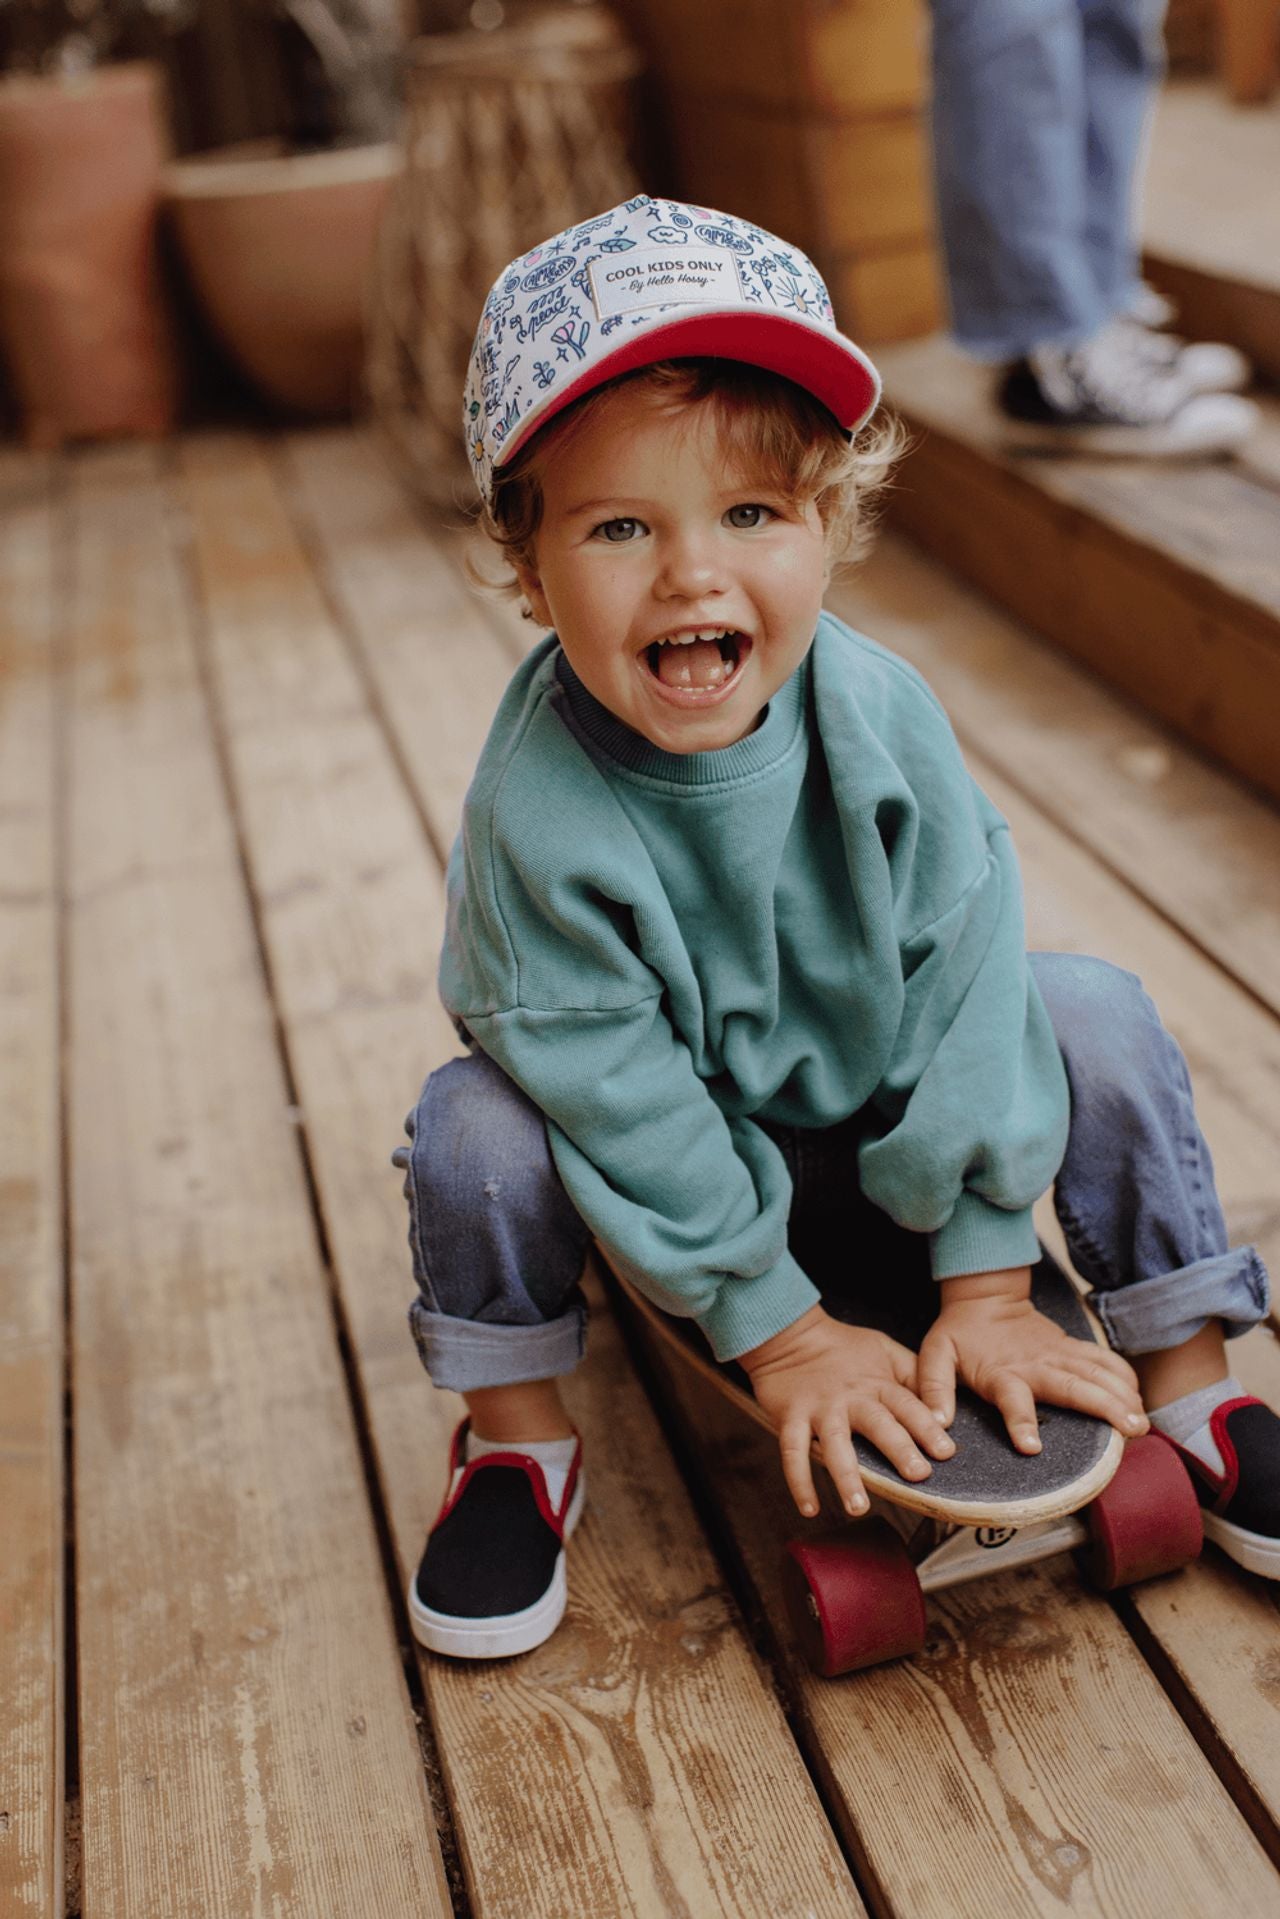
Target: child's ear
[[531, 587]]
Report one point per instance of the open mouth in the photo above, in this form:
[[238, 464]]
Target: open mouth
[[701, 661]]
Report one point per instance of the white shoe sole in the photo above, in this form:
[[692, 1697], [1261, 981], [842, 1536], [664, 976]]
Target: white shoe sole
[[1256, 1552], [504, 1634], [1207, 425], [1210, 366]]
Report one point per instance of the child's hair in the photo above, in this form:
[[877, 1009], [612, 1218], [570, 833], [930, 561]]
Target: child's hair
[[776, 429]]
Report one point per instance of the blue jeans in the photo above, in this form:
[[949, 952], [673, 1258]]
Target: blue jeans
[[498, 1249], [1038, 114]]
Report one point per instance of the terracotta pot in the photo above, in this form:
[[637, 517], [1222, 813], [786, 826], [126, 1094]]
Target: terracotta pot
[[279, 250], [82, 321]]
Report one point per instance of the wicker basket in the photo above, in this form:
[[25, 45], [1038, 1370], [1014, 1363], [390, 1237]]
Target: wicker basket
[[509, 136]]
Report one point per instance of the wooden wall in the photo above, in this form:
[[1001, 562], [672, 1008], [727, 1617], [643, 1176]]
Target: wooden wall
[[807, 115]]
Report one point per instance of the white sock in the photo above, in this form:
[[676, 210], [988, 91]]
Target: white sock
[[555, 1456], [1186, 1420]]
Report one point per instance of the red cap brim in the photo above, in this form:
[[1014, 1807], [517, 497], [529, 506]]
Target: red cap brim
[[824, 364]]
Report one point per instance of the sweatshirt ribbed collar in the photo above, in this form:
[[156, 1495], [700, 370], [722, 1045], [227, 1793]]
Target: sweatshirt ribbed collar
[[632, 753]]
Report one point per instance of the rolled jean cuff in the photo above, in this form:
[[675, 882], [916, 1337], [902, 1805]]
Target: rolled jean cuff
[[1154, 1314], [464, 1355]]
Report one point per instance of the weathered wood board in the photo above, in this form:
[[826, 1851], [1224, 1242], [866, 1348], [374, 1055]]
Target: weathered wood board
[[246, 1740], [31, 1342]]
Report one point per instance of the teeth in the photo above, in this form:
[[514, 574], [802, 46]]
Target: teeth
[[703, 633]]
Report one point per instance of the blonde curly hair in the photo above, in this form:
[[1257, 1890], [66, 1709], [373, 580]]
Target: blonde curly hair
[[770, 427]]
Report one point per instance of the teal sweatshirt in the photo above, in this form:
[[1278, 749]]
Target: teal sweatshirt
[[823, 919]]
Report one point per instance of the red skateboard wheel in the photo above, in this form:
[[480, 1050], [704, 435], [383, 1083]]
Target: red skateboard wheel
[[1146, 1522], [853, 1598]]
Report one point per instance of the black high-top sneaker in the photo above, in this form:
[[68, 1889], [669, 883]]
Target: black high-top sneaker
[[1207, 366], [1117, 396], [491, 1581], [1242, 1502]]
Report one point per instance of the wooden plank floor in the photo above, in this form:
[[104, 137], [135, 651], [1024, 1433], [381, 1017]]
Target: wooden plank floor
[[241, 690]]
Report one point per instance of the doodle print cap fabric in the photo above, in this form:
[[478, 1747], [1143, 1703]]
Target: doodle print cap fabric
[[652, 280]]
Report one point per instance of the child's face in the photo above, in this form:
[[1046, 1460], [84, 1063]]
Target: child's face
[[648, 534]]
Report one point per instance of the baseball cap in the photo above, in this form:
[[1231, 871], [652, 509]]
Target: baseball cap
[[651, 280]]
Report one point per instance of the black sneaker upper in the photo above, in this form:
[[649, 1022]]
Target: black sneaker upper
[[1112, 379], [1252, 1434], [1020, 398], [494, 1553]]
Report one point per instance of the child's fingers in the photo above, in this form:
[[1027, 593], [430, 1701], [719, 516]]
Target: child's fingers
[[1107, 1371], [902, 1362], [1099, 1362], [936, 1377], [797, 1470], [1063, 1386], [841, 1462], [922, 1422], [1015, 1401], [876, 1422]]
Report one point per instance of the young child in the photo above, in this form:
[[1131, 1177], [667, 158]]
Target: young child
[[737, 946]]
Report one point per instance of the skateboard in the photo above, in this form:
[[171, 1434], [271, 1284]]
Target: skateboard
[[855, 1596]]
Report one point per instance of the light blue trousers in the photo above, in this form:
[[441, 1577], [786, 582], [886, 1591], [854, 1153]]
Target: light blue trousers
[[1038, 114], [498, 1249]]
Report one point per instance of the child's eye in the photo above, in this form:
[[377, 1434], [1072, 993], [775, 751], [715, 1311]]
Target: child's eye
[[749, 514], [617, 531]]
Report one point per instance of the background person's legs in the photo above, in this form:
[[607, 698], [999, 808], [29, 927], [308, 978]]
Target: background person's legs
[[1124, 62], [1009, 112], [1038, 110]]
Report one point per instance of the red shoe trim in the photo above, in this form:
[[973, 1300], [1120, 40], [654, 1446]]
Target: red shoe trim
[[530, 1467], [1222, 1485], [1218, 1427]]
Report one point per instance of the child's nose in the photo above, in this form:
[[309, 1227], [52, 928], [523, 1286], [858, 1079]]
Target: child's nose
[[690, 569]]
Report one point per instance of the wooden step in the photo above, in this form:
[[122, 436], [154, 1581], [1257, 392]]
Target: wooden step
[[1164, 579], [1211, 217]]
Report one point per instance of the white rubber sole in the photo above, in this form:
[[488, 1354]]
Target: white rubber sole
[[504, 1634], [1256, 1552], [1207, 425]]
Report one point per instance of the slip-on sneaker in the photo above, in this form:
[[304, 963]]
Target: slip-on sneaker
[[1242, 1502], [491, 1581]]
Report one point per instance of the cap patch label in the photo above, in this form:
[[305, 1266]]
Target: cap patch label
[[663, 276]]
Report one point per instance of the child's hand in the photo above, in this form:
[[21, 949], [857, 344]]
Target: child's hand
[[822, 1379], [990, 1336]]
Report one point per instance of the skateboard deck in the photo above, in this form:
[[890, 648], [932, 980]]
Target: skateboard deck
[[986, 1483]]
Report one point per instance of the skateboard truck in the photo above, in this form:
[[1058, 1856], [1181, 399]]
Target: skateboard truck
[[856, 1597]]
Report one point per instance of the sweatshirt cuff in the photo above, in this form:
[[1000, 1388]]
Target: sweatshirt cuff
[[982, 1238], [746, 1311]]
